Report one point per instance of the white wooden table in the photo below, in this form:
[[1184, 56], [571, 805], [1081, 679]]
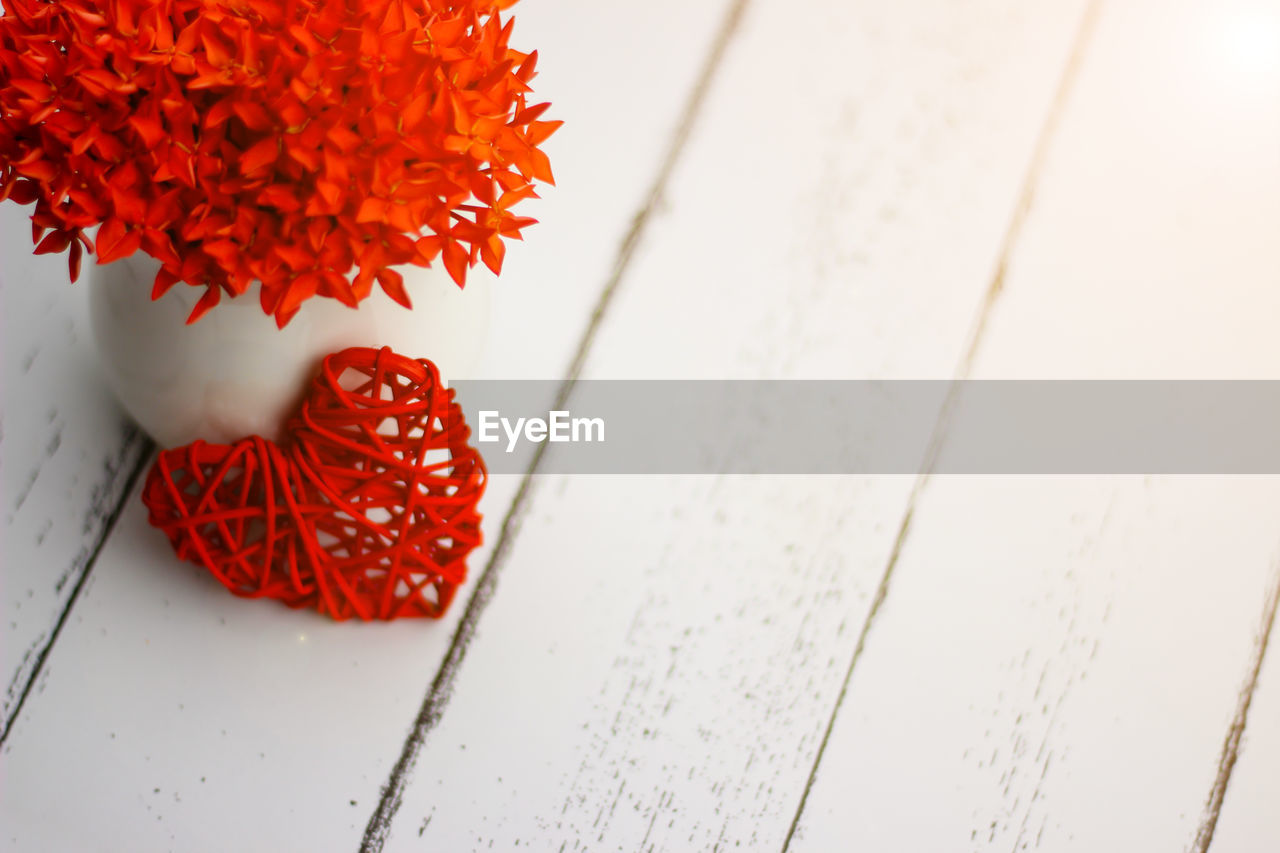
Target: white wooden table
[[774, 189]]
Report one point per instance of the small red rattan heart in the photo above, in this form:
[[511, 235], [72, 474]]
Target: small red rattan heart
[[366, 509]]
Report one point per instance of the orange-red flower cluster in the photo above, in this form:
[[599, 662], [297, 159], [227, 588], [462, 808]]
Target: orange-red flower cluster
[[307, 144]]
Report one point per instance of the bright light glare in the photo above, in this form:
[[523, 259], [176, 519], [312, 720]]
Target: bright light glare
[[1250, 42]]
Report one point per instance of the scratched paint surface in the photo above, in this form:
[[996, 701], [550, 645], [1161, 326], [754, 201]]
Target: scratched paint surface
[[1059, 661], [1248, 821], [67, 450], [206, 706], [1063, 683], [658, 666]]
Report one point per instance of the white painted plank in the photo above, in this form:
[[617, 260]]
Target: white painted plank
[[655, 670], [1151, 250], [175, 716], [1249, 821], [658, 666], [1055, 668], [66, 450], [1059, 660]]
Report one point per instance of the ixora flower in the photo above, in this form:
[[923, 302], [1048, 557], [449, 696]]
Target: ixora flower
[[309, 145]]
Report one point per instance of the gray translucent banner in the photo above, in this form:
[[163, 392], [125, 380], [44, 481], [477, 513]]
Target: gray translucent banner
[[865, 427]]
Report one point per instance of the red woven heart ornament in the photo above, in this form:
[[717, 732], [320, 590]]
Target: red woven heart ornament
[[367, 508]]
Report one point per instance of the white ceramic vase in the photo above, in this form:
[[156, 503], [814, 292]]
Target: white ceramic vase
[[233, 373]]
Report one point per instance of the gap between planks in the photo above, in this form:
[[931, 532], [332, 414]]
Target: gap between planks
[[1231, 744], [1026, 196], [438, 695], [146, 451]]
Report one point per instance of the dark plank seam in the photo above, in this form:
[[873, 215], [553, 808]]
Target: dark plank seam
[[145, 449], [1231, 745], [437, 699], [1012, 234]]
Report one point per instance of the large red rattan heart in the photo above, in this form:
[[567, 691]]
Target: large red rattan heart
[[367, 508]]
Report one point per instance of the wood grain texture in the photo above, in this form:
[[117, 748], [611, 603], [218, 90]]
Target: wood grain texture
[[1246, 817], [440, 691], [174, 716], [1055, 667], [67, 452], [658, 666], [1059, 660]]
